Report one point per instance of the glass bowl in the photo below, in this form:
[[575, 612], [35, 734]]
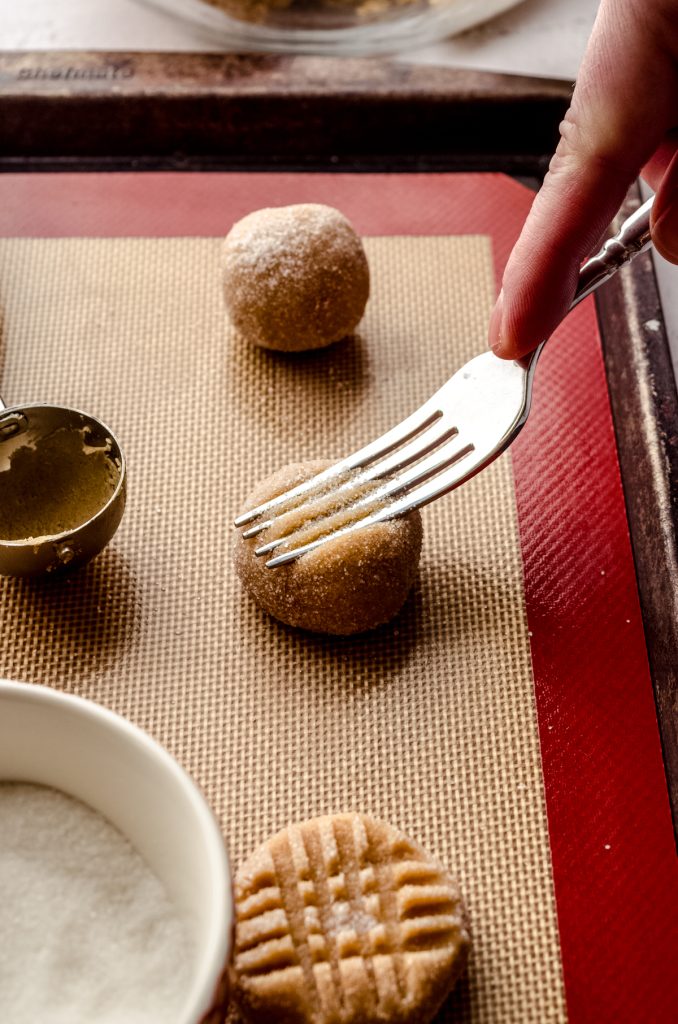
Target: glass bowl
[[329, 27]]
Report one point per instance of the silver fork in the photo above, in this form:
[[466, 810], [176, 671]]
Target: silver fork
[[461, 429]]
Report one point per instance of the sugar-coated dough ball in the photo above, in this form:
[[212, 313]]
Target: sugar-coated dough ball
[[345, 918], [295, 277], [348, 585]]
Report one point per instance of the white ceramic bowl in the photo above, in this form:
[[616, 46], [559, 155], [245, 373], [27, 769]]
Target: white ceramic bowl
[[55, 739]]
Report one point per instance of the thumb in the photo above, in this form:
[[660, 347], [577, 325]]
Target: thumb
[[624, 104]]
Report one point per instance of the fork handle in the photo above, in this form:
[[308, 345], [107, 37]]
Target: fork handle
[[632, 238]]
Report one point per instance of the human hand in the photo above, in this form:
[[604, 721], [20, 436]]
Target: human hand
[[620, 123]]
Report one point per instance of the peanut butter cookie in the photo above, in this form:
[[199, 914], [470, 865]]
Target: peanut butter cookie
[[344, 920]]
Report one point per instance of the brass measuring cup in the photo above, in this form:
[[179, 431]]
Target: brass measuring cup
[[62, 488]]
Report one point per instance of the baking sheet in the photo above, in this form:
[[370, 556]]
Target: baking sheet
[[612, 851]]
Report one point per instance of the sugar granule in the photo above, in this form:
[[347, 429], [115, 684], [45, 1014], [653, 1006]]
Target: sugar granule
[[87, 932]]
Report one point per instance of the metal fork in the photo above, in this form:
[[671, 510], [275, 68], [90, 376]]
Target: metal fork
[[461, 429]]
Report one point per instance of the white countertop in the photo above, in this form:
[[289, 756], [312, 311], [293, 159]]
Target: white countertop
[[537, 37]]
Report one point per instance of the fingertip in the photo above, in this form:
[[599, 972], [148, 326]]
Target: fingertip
[[669, 252], [665, 232], [505, 344], [502, 338], [506, 348], [665, 214], [499, 337]]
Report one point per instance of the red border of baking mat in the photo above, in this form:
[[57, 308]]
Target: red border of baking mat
[[612, 846]]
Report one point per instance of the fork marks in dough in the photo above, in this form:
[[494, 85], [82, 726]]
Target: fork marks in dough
[[360, 926]]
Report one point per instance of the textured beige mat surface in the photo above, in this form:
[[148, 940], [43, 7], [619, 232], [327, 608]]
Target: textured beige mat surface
[[428, 722]]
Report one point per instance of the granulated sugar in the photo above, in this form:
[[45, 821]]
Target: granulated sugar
[[87, 933]]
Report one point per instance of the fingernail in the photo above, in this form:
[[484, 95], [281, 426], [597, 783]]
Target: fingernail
[[494, 330]]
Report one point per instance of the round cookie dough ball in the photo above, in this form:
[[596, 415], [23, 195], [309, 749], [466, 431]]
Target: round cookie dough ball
[[295, 277], [345, 918], [348, 585]]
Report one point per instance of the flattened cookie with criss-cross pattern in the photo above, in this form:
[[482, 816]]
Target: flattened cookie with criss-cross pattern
[[345, 920]]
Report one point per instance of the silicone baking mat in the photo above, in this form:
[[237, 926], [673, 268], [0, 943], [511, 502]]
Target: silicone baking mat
[[430, 722]]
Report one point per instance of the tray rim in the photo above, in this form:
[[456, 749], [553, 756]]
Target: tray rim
[[220, 111]]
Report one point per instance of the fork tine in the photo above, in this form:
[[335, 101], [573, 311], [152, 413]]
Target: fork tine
[[254, 530], [408, 503], [423, 417], [428, 474], [423, 443]]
